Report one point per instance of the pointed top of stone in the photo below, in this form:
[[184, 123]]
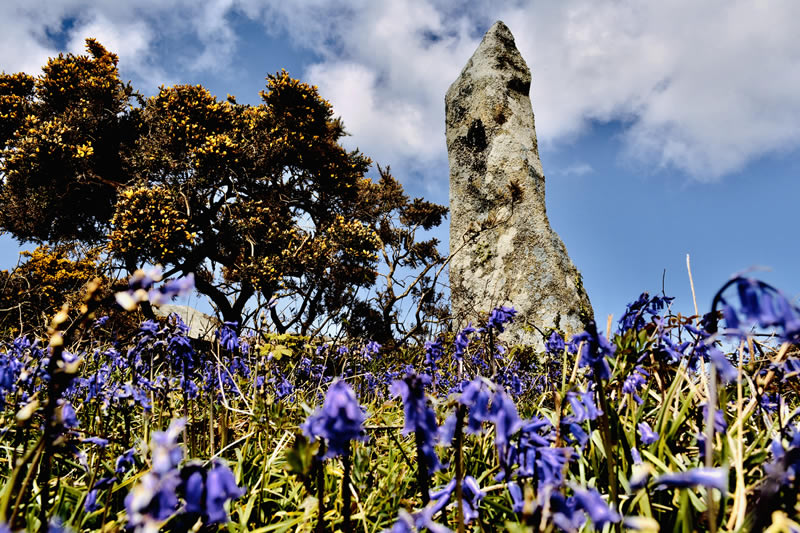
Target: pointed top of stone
[[497, 56]]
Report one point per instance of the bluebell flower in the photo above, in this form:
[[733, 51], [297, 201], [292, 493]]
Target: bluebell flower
[[154, 498], [517, 498], [171, 289], [90, 505], [555, 344], [636, 456], [66, 415], [636, 312], [206, 491], [419, 416], [404, 523], [579, 435], [152, 501], [97, 441], [476, 398], [593, 505], [284, 388], [434, 351], [549, 465], [647, 434], [564, 512], [420, 521], [506, 419], [165, 452], [370, 350], [635, 382], [716, 478], [727, 372], [501, 316], [595, 352], [583, 406], [124, 461], [227, 336], [339, 421], [720, 424], [770, 402], [447, 430], [140, 289], [462, 341], [471, 496]]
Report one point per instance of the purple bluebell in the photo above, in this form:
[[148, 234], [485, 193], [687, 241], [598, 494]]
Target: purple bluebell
[[647, 434], [165, 452], [67, 416], [590, 501], [434, 350], [578, 434], [517, 498], [447, 430], [97, 441], [595, 352], [227, 336], [419, 416], [124, 461], [154, 498], [550, 465], [151, 501], [635, 382], [420, 521], [500, 316], [503, 413], [720, 424], [462, 341], [471, 496], [636, 312], [140, 289], [370, 350], [476, 397], [716, 478], [206, 491], [555, 344], [90, 504], [583, 406], [727, 372], [769, 402], [338, 421]]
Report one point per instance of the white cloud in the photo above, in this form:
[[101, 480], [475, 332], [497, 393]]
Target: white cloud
[[578, 169], [703, 87]]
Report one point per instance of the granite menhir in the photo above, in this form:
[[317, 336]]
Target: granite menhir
[[503, 250]]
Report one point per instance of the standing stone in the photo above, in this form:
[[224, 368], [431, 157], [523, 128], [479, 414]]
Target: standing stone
[[502, 247]]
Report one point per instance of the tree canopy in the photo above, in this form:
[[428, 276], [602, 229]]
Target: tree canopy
[[251, 199]]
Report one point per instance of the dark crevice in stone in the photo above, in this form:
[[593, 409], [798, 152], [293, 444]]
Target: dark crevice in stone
[[476, 136], [519, 85]]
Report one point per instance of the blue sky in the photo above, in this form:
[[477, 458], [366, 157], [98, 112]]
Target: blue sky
[[664, 128]]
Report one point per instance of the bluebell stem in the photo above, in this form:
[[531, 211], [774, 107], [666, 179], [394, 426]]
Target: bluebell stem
[[339, 421], [420, 419]]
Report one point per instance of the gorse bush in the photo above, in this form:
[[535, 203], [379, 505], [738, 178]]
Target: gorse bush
[[254, 201], [671, 422]]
